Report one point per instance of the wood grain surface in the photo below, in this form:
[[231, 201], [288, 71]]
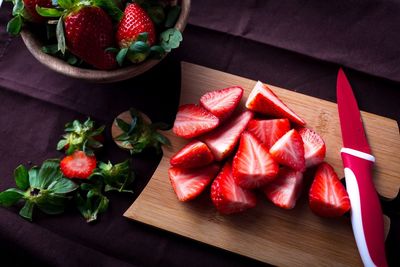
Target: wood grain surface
[[267, 233]]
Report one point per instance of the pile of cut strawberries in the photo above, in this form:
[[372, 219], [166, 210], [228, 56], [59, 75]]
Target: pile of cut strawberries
[[101, 34], [262, 147]]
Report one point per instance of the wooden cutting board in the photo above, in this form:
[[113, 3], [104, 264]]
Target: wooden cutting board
[[267, 233]]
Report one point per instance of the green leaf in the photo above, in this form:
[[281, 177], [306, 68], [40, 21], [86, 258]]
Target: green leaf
[[172, 16], [137, 57], [142, 37], [27, 210], [111, 49], [157, 14], [51, 203], [98, 131], [121, 56], [111, 8], [109, 188], [48, 12], [161, 138], [62, 186], [33, 176], [156, 52], [50, 49], [18, 7], [10, 197], [171, 39], [21, 177], [72, 60], [60, 35], [61, 144], [122, 125], [14, 25], [48, 172], [123, 137], [66, 4], [139, 47]]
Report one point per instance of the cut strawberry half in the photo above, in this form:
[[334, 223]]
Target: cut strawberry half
[[328, 197], [227, 196], [289, 151], [222, 102], [193, 155], [314, 147], [268, 131], [252, 165], [224, 139], [189, 183], [263, 100], [78, 165], [285, 189], [192, 120]]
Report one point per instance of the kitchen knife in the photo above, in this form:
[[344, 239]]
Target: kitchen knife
[[366, 212]]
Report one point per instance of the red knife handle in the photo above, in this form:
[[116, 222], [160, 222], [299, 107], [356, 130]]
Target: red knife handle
[[366, 212]]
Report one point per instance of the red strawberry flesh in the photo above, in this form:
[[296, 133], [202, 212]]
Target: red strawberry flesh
[[253, 166], [222, 102], [328, 197], [195, 154], [268, 131], [189, 183], [78, 165], [289, 151], [263, 100], [227, 196], [285, 189], [192, 120], [314, 147], [223, 140]]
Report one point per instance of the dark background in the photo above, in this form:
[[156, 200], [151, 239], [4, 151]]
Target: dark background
[[291, 44]]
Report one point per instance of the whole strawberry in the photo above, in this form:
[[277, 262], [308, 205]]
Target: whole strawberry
[[88, 32], [135, 21], [30, 7]]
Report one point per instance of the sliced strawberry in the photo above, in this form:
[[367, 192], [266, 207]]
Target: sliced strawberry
[[314, 147], [263, 100], [328, 197], [195, 154], [268, 131], [285, 189], [252, 165], [192, 120], [227, 196], [289, 151], [78, 165], [189, 183], [224, 139], [222, 102]]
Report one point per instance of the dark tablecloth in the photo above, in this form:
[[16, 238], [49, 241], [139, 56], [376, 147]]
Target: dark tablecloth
[[292, 44]]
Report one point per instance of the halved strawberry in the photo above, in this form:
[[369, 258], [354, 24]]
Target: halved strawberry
[[224, 139], [289, 151], [78, 165], [222, 102], [314, 147], [227, 196], [195, 154], [328, 197], [285, 189], [189, 183], [192, 120], [268, 131], [263, 100], [252, 165]]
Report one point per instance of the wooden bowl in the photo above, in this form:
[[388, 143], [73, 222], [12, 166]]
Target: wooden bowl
[[34, 45]]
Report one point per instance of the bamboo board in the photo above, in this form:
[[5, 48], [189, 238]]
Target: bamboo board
[[267, 233]]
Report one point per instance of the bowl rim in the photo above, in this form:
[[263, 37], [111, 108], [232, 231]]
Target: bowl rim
[[100, 76]]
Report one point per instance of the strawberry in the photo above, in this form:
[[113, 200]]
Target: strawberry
[[224, 139], [195, 154], [252, 165], [192, 120], [289, 151], [328, 197], [78, 165], [134, 21], [222, 102], [189, 183], [268, 131], [285, 189], [88, 32], [314, 147], [227, 196], [263, 100], [30, 7]]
